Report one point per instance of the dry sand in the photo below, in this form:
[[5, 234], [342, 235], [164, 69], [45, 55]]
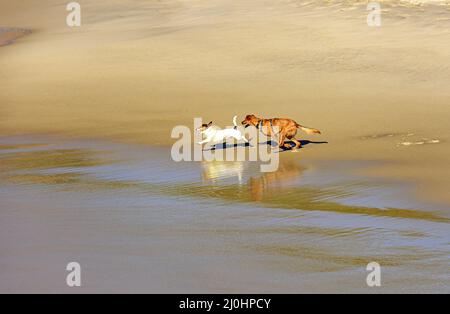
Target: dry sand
[[135, 69]]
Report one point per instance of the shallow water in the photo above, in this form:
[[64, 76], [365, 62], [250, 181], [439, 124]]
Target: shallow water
[[138, 222]]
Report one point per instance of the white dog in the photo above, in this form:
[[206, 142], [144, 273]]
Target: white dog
[[216, 135]]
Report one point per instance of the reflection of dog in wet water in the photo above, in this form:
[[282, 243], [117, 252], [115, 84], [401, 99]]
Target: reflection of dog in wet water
[[216, 135], [271, 182], [217, 170], [258, 185]]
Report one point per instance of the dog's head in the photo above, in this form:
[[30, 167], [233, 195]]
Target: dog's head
[[204, 127], [250, 119]]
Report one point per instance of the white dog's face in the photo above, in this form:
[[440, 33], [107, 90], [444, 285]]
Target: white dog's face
[[204, 127]]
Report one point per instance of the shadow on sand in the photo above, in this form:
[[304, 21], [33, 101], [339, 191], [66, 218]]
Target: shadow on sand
[[269, 143]]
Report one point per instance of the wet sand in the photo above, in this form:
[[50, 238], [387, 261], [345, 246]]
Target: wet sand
[[137, 222], [113, 89]]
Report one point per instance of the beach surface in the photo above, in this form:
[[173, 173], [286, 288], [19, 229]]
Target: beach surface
[[377, 189]]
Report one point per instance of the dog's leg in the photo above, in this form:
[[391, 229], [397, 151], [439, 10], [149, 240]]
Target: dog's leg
[[241, 137], [206, 140], [246, 141], [282, 139], [298, 144]]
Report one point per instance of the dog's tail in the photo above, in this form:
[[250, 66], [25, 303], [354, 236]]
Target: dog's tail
[[234, 122], [307, 130]]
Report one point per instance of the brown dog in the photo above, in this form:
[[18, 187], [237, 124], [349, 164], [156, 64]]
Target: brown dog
[[287, 128]]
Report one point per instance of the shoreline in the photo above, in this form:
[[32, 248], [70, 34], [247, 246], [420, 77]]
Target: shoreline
[[379, 167], [364, 170], [341, 183]]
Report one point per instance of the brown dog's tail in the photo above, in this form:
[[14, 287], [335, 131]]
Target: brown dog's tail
[[308, 130]]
